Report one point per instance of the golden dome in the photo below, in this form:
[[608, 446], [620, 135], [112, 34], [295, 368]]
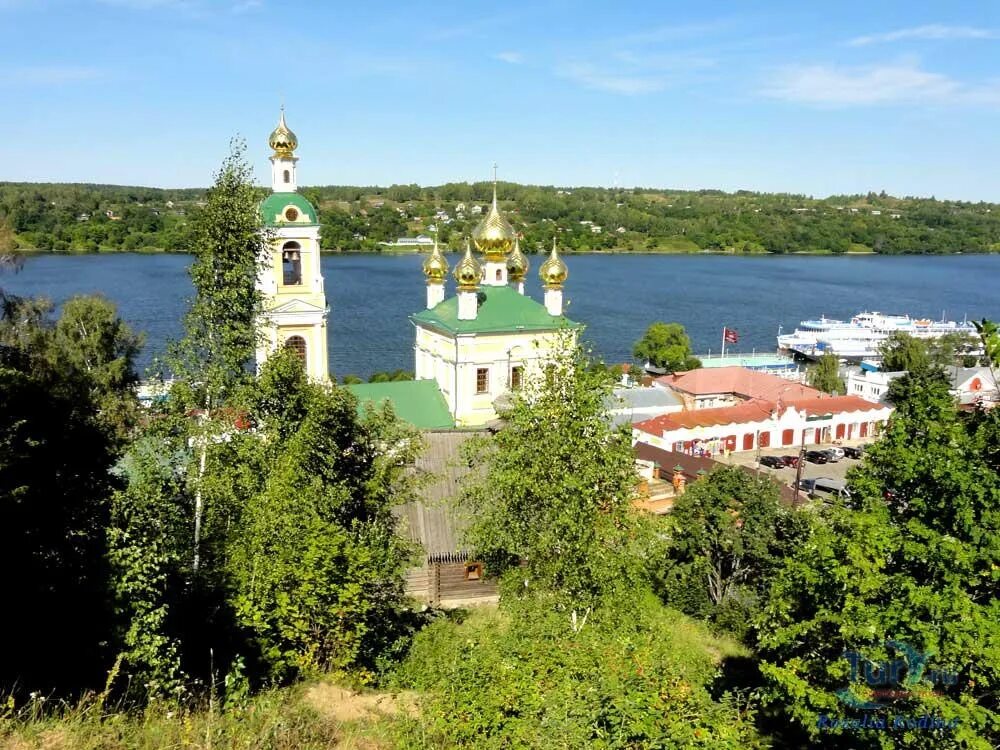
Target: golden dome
[[553, 271], [283, 140], [435, 266], [494, 236], [468, 273], [517, 263]]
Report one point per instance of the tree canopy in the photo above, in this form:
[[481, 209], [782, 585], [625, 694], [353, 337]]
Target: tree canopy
[[666, 346]]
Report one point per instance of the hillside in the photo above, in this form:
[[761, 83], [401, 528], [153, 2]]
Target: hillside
[[106, 218]]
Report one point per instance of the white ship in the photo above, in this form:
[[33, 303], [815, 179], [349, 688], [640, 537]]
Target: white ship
[[861, 336]]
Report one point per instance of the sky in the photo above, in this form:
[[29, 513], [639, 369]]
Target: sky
[[797, 97]]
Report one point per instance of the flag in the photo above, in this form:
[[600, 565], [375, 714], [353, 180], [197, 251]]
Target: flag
[[730, 336]]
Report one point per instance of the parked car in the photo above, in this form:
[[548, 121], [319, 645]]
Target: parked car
[[792, 461], [854, 452], [828, 489], [817, 457], [773, 462], [835, 452], [807, 484]]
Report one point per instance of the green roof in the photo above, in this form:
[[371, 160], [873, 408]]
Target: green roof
[[501, 310], [418, 402], [272, 210]]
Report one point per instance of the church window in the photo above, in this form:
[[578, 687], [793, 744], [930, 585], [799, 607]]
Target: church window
[[297, 345], [291, 213], [288, 176], [482, 380], [291, 264], [516, 377], [499, 275]]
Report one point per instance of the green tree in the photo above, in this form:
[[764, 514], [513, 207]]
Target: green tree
[[556, 490], [666, 345], [315, 563], [825, 375], [901, 351], [727, 536], [228, 241], [915, 562]]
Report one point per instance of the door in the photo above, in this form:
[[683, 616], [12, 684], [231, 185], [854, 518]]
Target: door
[[731, 443], [748, 441], [840, 431], [864, 429], [764, 440], [787, 437]]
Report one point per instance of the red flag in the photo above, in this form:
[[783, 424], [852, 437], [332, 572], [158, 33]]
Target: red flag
[[730, 336]]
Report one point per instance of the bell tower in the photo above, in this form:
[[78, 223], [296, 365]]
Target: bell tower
[[290, 280]]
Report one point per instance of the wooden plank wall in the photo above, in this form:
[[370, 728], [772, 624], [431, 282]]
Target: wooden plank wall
[[444, 585]]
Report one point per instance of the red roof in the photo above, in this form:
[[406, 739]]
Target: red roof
[[739, 380], [752, 411]]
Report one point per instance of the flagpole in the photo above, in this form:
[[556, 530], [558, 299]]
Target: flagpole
[[723, 342]]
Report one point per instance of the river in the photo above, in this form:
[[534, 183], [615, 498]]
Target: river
[[616, 296]]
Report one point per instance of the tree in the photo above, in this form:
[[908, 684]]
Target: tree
[[556, 490], [901, 351], [228, 243], [726, 538], [667, 346], [315, 563], [56, 453], [911, 569], [825, 375]]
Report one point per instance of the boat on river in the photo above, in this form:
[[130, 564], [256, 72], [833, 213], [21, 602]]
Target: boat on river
[[860, 337]]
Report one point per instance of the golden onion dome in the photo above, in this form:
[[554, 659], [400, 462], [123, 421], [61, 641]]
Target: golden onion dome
[[435, 266], [283, 140], [468, 273], [517, 263], [553, 271], [494, 236]]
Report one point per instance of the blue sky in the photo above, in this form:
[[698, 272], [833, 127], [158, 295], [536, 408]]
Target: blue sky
[[778, 96]]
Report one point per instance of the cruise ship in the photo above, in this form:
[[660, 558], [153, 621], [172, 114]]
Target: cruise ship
[[860, 337]]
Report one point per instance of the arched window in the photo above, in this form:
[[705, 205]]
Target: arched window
[[298, 345], [291, 264], [288, 176]]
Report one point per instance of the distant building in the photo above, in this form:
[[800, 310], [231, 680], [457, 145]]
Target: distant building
[[973, 386], [729, 386], [870, 383], [630, 405]]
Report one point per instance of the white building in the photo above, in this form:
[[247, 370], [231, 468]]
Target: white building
[[294, 302], [488, 338]]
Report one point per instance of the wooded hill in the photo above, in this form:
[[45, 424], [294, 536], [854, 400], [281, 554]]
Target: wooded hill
[[93, 218]]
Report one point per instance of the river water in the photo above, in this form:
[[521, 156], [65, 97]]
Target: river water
[[616, 296]]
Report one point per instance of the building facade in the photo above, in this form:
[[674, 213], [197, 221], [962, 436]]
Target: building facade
[[290, 281], [489, 338]]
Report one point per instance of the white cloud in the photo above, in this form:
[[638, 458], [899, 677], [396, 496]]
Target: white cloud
[[592, 77], [49, 75], [898, 83], [928, 32], [246, 6], [514, 58]]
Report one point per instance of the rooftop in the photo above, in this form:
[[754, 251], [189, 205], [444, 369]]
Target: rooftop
[[501, 310], [738, 380], [418, 402], [272, 210]]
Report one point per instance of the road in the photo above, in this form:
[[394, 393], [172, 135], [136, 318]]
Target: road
[[810, 470]]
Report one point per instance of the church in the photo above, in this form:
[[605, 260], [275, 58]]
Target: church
[[471, 348]]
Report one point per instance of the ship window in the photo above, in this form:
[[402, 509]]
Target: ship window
[[482, 380], [291, 264], [297, 345]]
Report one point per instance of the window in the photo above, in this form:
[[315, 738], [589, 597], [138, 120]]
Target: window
[[473, 571], [288, 176], [291, 213], [516, 377], [482, 380], [298, 345], [499, 275], [291, 264]]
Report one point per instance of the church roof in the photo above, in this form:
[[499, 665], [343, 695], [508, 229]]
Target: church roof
[[273, 207], [501, 310], [418, 402]]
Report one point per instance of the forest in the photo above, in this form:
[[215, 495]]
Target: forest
[[104, 218]]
